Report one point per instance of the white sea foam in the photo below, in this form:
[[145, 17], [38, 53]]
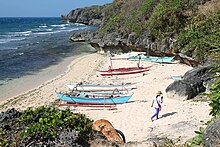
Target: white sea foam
[[20, 54], [10, 39], [8, 48], [25, 32], [1, 42], [43, 33], [19, 34], [3, 82], [49, 30], [61, 25], [44, 26], [74, 29], [79, 24]]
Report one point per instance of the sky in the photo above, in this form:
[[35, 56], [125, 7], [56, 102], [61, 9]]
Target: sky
[[43, 8]]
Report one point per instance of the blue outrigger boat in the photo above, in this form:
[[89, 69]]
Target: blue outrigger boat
[[151, 58], [101, 100]]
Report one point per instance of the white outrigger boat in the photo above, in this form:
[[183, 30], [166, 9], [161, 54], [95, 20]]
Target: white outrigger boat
[[92, 87]]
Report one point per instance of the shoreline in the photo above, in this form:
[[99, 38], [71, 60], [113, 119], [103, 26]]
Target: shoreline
[[17, 86], [33, 80], [49, 80], [177, 120]]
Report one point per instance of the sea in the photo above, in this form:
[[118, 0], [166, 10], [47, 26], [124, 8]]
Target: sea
[[28, 45]]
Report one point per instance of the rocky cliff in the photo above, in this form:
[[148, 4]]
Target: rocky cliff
[[136, 25], [88, 15]]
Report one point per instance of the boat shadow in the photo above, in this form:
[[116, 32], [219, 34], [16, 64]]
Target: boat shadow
[[168, 114]]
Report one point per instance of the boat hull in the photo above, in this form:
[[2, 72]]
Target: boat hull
[[123, 73], [152, 59], [126, 69], [99, 100]]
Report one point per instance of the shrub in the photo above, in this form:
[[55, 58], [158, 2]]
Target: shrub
[[43, 125], [200, 37]]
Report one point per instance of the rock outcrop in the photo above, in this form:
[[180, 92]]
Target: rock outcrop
[[194, 82], [109, 131], [211, 136], [116, 43], [88, 15]]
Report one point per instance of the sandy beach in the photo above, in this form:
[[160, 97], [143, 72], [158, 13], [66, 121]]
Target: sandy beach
[[178, 119]]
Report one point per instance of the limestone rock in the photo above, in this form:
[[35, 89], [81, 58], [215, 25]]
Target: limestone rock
[[211, 137], [88, 15], [194, 82]]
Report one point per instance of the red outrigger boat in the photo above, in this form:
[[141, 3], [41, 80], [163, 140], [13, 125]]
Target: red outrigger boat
[[125, 69], [124, 72]]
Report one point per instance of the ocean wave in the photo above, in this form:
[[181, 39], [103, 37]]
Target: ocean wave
[[3, 82], [10, 39], [19, 34], [20, 54], [43, 33], [77, 29], [1, 42], [43, 26], [79, 24], [8, 48], [74, 29], [63, 28], [61, 25], [49, 30], [25, 32]]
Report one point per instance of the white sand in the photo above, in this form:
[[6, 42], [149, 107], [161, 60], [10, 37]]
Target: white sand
[[177, 119]]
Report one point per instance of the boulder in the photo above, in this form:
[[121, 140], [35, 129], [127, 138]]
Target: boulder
[[180, 90], [109, 131], [211, 136], [194, 82]]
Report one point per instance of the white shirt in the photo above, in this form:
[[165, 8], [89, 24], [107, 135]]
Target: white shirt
[[157, 99]]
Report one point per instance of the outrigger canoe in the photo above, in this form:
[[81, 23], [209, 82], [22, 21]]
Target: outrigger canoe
[[146, 58], [92, 87], [95, 99], [152, 59], [125, 69], [124, 72], [98, 93]]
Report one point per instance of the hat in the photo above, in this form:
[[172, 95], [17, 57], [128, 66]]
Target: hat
[[159, 92]]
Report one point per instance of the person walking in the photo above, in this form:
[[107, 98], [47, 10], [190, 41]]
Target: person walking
[[156, 103]]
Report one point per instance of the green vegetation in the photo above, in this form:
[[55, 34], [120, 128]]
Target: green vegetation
[[127, 17], [200, 37], [43, 124], [198, 139], [167, 18], [215, 99], [193, 25]]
